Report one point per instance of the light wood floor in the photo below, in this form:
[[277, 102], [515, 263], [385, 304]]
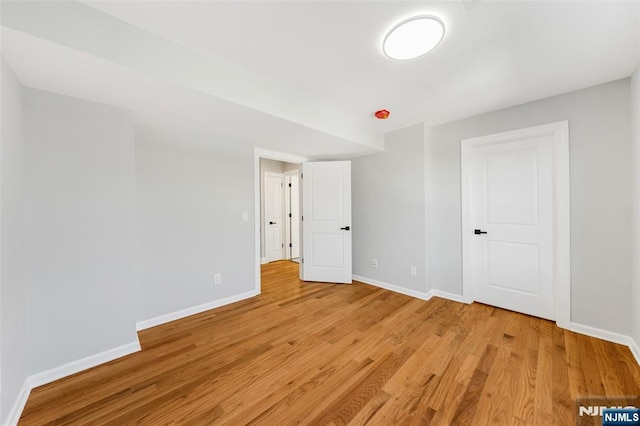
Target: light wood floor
[[334, 354]]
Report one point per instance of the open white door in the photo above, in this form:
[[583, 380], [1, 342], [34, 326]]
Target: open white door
[[326, 222]]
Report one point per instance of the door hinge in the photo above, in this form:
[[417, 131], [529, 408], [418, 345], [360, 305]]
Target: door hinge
[[282, 245], [302, 218], [281, 185], [290, 245], [289, 185], [289, 214], [301, 175], [302, 260]]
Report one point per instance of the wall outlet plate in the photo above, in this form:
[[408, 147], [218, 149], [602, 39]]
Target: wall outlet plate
[[217, 278]]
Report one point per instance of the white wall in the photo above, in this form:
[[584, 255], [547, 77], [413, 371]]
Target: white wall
[[389, 210], [271, 166], [289, 167], [600, 135], [79, 220], [635, 124], [12, 252], [190, 195]]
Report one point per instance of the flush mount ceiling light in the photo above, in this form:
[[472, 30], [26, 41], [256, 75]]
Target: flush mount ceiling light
[[413, 37]]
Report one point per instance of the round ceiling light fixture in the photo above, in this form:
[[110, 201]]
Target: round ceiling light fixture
[[413, 37]]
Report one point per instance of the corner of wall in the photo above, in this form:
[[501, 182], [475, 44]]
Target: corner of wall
[[393, 287], [57, 373], [91, 361], [173, 316], [388, 187], [427, 205], [18, 406], [13, 307], [635, 150]]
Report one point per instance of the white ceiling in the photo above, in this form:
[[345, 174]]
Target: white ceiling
[[306, 76]]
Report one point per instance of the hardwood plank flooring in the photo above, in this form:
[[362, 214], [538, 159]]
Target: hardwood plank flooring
[[330, 354]]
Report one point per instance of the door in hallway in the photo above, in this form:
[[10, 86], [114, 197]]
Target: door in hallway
[[273, 217]]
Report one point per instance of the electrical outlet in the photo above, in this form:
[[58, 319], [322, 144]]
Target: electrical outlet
[[374, 263], [414, 271], [217, 278]]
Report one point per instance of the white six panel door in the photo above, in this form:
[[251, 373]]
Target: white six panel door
[[512, 202], [326, 221]]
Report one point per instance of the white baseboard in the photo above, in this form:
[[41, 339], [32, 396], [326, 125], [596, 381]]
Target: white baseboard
[[414, 293], [601, 334], [263, 261], [18, 405], [449, 296], [392, 287], [74, 367], [635, 350], [609, 336], [65, 370], [82, 364], [152, 322]]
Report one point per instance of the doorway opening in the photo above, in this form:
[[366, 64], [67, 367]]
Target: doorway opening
[[258, 155], [279, 211], [326, 237]]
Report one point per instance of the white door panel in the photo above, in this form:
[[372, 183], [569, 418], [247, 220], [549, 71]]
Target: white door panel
[[512, 203], [502, 273], [326, 221], [273, 206], [323, 257], [327, 201], [512, 178]]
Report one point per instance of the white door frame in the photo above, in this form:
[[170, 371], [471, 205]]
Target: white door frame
[[270, 155], [287, 219], [561, 213], [287, 204]]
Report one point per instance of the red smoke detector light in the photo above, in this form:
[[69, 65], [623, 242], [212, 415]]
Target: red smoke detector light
[[383, 114]]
